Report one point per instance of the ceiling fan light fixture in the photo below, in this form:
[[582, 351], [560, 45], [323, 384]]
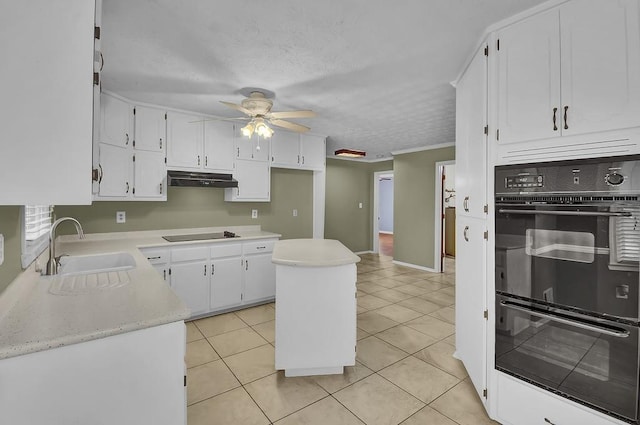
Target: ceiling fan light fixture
[[263, 129], [350, 153], [248, 129]]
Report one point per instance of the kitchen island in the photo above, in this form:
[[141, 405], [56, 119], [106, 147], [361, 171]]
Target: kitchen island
[[316, 306]]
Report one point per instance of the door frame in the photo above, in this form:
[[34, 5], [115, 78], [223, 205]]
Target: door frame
[[375, 242], [439, 210]]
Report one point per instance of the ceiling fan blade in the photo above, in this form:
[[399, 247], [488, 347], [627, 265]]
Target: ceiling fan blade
[[237, 107], [292, 114], [290, 125], [210, 118]]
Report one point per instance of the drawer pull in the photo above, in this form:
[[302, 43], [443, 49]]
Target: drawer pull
[[261, 247], [548, 421], [154, 258], [205, 269]]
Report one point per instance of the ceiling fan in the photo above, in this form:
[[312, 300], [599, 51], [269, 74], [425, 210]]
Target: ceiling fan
[[257, 106]]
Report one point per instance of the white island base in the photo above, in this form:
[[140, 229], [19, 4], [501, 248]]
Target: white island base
[[315, 307]]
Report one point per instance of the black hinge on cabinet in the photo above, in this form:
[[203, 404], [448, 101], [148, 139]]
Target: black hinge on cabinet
[[134, 111], [486, 209], [485, 314], [165, 159], [169, 271], [486, 235], [185, 380], [498, 44], [241, 296], [96, 78], [486, 50], [134, 157], [134, 190], [484, 393], [498, 134], [486, 129], [96, 33], [165, 116]]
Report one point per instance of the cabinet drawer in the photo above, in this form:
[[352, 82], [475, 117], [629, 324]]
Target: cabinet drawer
[[156, 255], [522, 404], [226, 250], [258, 247], [191, 253]]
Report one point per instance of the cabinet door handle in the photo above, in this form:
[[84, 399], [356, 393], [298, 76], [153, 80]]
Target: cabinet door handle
[[302, 159], [555, 126], [127, 188], [548, 421], [154, 258], [238, 155], [160, 188], [205, 269], [465, 204], [465, 233], [246, 264], [206, 160], [298, 159], [261, 247], [566, 125], [198, 159], [126, 139], [213, 269], [164, 274], [101, 173], [161, 143]]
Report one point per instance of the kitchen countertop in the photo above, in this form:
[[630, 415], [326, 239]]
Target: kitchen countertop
[[312, 253], [33, 319]]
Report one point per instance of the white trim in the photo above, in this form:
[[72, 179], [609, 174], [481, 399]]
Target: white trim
[[423, 148], [437, 228], [385, 233], [319, 196], [375, 243], [414, 266], [364, 252]]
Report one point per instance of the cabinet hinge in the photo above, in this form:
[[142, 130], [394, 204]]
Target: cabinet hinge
[[484, 393], [134, 143], [486, 235], [498, 44], [485, 314], [486, 50], [185, 380], [169, 271], [134, 111], [486, 208], [165, 159], [134, 157], [96, 78], [486, 129], [134, 190], [96, 33], [165, 116], [498, 134], [241, 296]]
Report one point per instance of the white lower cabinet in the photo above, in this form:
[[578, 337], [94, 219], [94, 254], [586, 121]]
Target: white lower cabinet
[[522, 404], [220, 276]]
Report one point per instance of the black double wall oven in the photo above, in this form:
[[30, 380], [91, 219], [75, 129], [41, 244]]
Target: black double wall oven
[[566, 277]]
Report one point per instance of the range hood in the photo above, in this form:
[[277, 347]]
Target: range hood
[[189, 178]]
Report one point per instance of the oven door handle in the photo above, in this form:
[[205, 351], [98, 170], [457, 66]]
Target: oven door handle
[[577, 322], [578, 213]]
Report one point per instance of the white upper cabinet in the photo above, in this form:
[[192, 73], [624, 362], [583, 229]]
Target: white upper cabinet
[[150, 129], [185, 135], [528, 79], [254, 182], [116, 121], [285, 149], [471, 140], [150, 175], [46, 102], [600, 65], [219, 152], [114, 171], [253, 149], [572, 70], [313, 151]]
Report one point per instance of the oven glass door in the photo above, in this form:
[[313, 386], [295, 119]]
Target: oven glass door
[[568, 255], [590, 360]]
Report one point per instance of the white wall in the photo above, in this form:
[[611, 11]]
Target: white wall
[[385, 209]]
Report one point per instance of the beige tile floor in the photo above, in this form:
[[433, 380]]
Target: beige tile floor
[[404, 374]]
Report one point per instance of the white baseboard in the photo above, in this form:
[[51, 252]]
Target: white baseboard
[[363, 252], [386, 233], [414, 266]]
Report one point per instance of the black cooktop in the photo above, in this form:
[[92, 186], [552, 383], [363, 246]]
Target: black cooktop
[[200, 237]]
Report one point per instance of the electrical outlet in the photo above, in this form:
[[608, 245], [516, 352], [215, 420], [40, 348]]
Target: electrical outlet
[[295, 213], [121, 217], [360, 205], [547, 295], [1, 249], [254, 213]]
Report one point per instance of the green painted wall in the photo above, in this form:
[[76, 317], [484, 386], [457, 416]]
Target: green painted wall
[[189, 207], [348, 184], [10, 227], [414, 205]]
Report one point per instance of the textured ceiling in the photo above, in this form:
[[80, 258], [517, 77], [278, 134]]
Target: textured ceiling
[[377, 72]]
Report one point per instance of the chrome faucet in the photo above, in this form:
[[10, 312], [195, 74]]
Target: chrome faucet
[[52, 264]]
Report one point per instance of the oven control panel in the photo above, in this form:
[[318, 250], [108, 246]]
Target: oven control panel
[[519, 181]]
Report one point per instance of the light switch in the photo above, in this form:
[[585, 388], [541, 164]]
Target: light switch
[[295, 213], [254, 213], [1, 249], [360, 205]]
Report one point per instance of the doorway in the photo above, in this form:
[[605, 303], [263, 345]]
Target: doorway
[[445, 216], [382, 237]]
